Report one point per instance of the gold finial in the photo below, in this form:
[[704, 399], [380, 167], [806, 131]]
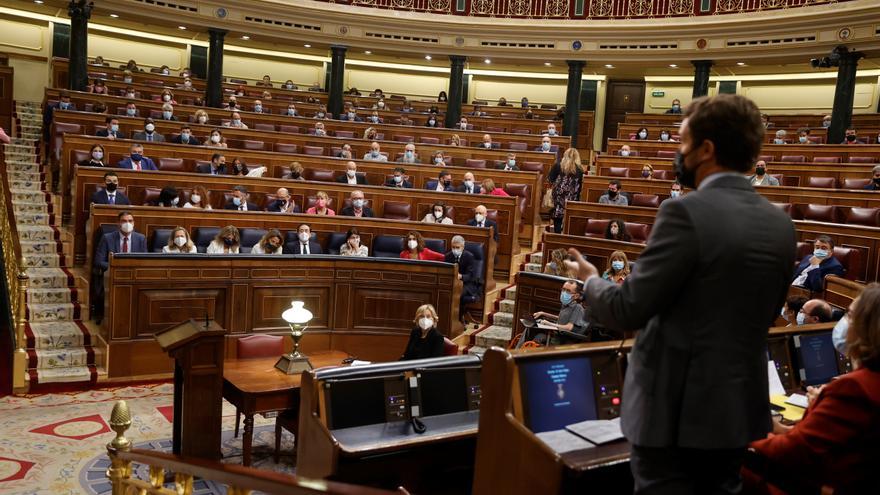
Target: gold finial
[[120, 421]]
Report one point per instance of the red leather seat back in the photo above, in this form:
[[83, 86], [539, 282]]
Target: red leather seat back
[[767, 158], [290, 129], [596, 227], [475, 163], [856, 183], [648, 200], [344, 134], [517, 146], [824, 182], [313, 150], [429, 140], [249, 144], [397, 210], [862, 216], [450, 348], [618, 172], [786, 207], [819, 213], [171, 165], [403, 139], [851, 259], [826, 159], [285, 148], [319, 174], [665, 154], [259, 346], [264, 127], [861, 159], [638, 231], [793, 158]]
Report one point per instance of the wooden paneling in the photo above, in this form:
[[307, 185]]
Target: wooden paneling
[[777, 151], [778, 120], [379, 316], [7, 102], [622, 97]]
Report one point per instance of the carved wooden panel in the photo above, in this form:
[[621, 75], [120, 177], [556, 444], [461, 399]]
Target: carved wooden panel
[[158, 309], [270, 302]]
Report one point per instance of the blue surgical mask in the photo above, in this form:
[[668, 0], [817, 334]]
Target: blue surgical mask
[[409, 155], [664, 137], [320, 115], [166, 115], [114, 127], [838, 335], [236, 122], [358, 203], [676, 107], [258, 108], [511, 163], [674, 194], [64, 106], [291, 112], [643, 135], [236, 201], [802, 139], [398, 179], [617, 265], [624, 152], [545, 146], [374, 119], [778, 141], [351, 115], [552, 132], [820, 253], [131, 112], [801, 318], [565, 297]]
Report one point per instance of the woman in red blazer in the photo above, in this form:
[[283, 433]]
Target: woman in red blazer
[[416, 250], [837, 444]]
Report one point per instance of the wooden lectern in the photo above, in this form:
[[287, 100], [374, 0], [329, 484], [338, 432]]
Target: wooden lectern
[[198, 351]]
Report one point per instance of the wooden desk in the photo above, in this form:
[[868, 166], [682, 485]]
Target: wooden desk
[[254, 386]]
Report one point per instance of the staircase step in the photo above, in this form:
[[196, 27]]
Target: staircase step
[[476, 350], [29, 248], [29, 208], [25, 185], [50, 260], [60, 358], [50, 295], [510, 292], [43, 233], [56, 335], [506, 305], [494, 335], [52, 312], [533, 267], [501, 318], [72, 374], [44, 278]]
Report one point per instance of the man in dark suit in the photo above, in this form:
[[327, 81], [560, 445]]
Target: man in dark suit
[[351, 176], [482, 220], [469, 185], [63, 104], [136, 159], [351, 115], [399, 179], [124, 240], [283, 202], [240, 201], [109, 194], [304, 243], [467, 271], [710, 282], [442, 184], [216, 167], [186, 137], [149, 133], [112, 130], [358, 206], [812, 270]]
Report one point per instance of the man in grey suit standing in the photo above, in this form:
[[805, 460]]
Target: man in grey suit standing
[[710, 282]]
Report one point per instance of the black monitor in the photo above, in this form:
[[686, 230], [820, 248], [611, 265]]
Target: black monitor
[[557, 392], [365, 401], [817, 358], [449, 390]]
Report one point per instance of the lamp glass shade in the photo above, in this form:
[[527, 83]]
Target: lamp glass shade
[[297, 313]]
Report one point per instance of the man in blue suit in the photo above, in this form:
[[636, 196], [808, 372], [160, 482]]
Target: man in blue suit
[[136, 159], [109, 194], [442, 184], [467, 272], [482, 220], [811, 272], [123, 240]]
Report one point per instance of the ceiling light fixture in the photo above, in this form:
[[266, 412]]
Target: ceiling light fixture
[[488, 61], [367, 52], [181, 28], [38, 1], [245, 37], [427, 57], [115, 16], [740, 64], [609, 66], [307, 45], [674, 66], [547, 64]]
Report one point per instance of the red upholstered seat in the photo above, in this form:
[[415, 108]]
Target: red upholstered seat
[[319, 174], [397, 210], [313, 150], [450, 348], [649, 200], [344, 134], [429, 140], [517, 146], [793, 158], [826, 182], [60, 129], [856, 183], [862, 216], [285, 147], [664, 174], [151, 196], [665, 154], [826, 159], [259, 346], [596, 227], [522, 192], [264, 127], [522, 131], [861, 159], [403, 139], [618, 172], [494, 129], [767, 158], [819, 213], [290, 129], [638, 231], [249, 144], [475, 163], [80, 155], [786, 207], [171, 164]]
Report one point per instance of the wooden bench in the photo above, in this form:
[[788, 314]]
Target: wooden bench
[[817, 135], [769, 152]]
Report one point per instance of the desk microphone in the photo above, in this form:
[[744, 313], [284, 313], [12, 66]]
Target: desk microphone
[[418, 426]]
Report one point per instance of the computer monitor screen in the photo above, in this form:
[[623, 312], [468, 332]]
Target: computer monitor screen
[[557, 392], [364, 401], [449, 390], [817, 358]]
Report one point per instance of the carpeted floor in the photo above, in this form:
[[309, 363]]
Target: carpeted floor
[[55, 443]]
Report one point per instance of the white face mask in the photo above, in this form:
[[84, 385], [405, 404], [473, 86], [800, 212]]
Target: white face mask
[[351, 173], [215, 138], [412, 244], [304, 236], [643, 135], [457, 252], [438, 214], [150, 127], [127, 227], [487, 145], [479, 217], [166, 97], [195, 198], [426, 323], [469, 183], [180, 241], [202, 119]]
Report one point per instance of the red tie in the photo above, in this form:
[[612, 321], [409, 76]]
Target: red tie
[[125, 244], [137, 166]]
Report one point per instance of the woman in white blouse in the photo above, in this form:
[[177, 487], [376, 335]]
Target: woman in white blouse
[[437, 215], [227, 241], [353, 246], [179, 242], [271, 243], [198, 199]]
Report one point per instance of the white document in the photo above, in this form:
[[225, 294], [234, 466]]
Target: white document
[[546, 325], [562, 441], [599, 432], [358, 362], [799, 400], [776, 387]]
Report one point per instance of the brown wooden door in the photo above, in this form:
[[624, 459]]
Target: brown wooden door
[[622, 97]]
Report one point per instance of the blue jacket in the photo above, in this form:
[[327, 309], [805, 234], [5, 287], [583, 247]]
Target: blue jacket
[[110, 244], [816, 279], [146, 164]]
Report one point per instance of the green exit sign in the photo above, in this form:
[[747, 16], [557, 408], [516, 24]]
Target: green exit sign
[[658, 94]]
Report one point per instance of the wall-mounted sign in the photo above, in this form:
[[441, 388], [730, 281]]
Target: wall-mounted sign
[[658, 94]]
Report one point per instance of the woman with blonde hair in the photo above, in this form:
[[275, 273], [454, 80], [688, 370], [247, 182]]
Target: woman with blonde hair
[[647, 171], [455, 140], [557, 265], [296, 171], [322, 200], [425, 341], [199, 198], [566, 177], [227, 241], [489, 188], [201, 117], [179, 242], [271, 243], [370, 133], [617, 269]]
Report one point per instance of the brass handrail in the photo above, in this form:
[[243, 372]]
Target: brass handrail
[[240, 480], [16, 274]]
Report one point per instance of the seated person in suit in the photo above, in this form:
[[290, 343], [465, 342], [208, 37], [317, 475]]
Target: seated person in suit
[[875, 179], [320, 131], [374, 118], [811, 272], [344, 152], [179, 243], [112, 130], [409, 154], [232, 104], [546, 145], [761, 177], [216, 139], [358, 206], [227, 241], [477, 111], [425, 341], [168, 197], [437, 215], [291, 110], [780, 137], [266, 82], [851, 137], [296, 172], [399, 179], [240, 201], [624, 150], [804, 135], [551, 130], [283, 202], [271, 243], [814, 311], [168, 112], [306, 245], [124, 240], [259, 108], [675, 190], [469, 185], [131, 109], [618, 268], [109, 195], [201, 117], [200, 198], [614, 196], [462, 123], [351, 115], [136, 159], [416, 249], [571, 317], [433, 121], [186, 137], [467, 271], [239, 167], [834, 448], [510, 164], [149, 133], [131, 94], [444, 182], [488, 186], [351, 176], [321, 208], [407, 107], [235, 121], [375, 153], [438, 159], [95, 159], [481, 220], [216, 167], [321, 113], [676, 107], [487, 142], [168, 96], [290, 85], [63, 104], [353, 246]]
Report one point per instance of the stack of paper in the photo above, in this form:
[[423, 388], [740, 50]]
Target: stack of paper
[[599, 432]]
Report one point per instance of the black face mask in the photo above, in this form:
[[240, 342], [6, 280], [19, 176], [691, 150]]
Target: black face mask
[[760, 170], [111, 186], [850, 137], [294, 175], [612, 194], [228, 241], [686, 177], [877, 181]]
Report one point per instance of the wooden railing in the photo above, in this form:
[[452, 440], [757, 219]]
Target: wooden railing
[[239, 480], [16, 276]]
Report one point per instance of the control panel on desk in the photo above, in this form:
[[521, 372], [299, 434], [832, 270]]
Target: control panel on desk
[[607, 380]]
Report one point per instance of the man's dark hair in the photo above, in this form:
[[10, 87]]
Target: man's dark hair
[[826, 239], [444, 173], [216, 156], [122, 214], [732, 123], [111, 174], [240, 189], [795, 303], [185, 126], [111, 118], [400, 169], [616, 183], [823, 312]]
